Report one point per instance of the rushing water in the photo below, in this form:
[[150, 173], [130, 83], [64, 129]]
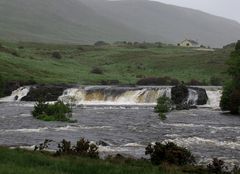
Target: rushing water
[[127, 129]]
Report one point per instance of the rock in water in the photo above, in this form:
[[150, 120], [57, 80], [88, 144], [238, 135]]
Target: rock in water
[[45, 92], [179, 95]]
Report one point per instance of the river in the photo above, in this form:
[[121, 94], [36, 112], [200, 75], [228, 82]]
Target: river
[[127, 129]]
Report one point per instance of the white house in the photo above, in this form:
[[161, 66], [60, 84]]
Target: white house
[[189, 43]]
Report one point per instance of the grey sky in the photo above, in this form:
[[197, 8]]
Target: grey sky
[[225, 8]]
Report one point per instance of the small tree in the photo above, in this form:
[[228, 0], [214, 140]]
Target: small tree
[[164, 105], [56, 55], [231, 93], [1, 86], [170, 153]]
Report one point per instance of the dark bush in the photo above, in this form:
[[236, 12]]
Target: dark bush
[[52, 112], [97, 70], [164, 105], [237, 47], [216, 81], [56, 55], [82, 148], [158, 81], [194, 82], [217, 166], [101, 43], [169, 153], [110, 82], [2, 85], [225, 99], [231, 93], [235, 101], [43, 145]]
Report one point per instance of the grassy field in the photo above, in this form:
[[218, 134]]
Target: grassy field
[[26, 162], [126, 64]]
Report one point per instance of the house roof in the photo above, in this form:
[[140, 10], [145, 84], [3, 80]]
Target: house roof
[[191, 41]]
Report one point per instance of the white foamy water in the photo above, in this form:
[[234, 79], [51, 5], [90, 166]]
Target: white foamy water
[[188, 142], [16, 95], [25, 130], [214, 98]]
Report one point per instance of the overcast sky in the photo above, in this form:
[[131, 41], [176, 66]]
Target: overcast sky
[[225, 8]]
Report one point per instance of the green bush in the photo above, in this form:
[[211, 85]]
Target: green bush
[[82, 148], [1, 86], [225, 100], [97, 70], [216, 81], [217, 166], [56, 55], [164, 105], [231, 93], [52, 112], [169, 153]]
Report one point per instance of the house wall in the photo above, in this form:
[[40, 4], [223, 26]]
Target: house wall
[[187, 44]]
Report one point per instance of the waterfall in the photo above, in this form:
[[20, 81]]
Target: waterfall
[[192, 97], [115, 95], [214, 98], [17, 95]]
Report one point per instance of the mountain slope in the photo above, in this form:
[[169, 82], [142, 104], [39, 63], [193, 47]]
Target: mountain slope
[[169, 22], [58, 21]]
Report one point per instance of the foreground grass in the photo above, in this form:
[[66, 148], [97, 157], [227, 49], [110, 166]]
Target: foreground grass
[[25, 162], [35, 62]]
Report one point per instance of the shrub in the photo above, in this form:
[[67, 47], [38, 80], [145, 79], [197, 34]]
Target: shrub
[[2, 85], [97, 70], [216, 81], [194, 82], [231, 93], [158, 81], [82, 148], [237, 47], [43, 145], [170, 153], [164, 105], [110, 82], [56, 55], [52, 112], [217, 166], [101, 43], [225, 99]]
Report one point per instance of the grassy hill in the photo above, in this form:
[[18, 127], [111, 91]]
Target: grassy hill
[[26, 61]]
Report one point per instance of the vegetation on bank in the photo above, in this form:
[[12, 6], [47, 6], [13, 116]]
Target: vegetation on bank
[[231, 93], [165, 159], [126, 63], [52, 112]]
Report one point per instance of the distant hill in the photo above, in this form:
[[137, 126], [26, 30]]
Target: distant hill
[[87, 21], [169, 23], [58, 21]]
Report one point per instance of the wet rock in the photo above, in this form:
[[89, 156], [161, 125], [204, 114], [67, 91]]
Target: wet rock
[[179, 94], [180, 97], [45, 92], [102, 143], [202, 95]]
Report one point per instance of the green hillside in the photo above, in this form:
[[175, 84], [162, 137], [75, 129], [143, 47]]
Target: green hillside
[[28, 61], [58, 21]]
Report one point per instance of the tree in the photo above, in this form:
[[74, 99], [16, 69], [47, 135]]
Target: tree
[[231, 93], [1, 86]]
